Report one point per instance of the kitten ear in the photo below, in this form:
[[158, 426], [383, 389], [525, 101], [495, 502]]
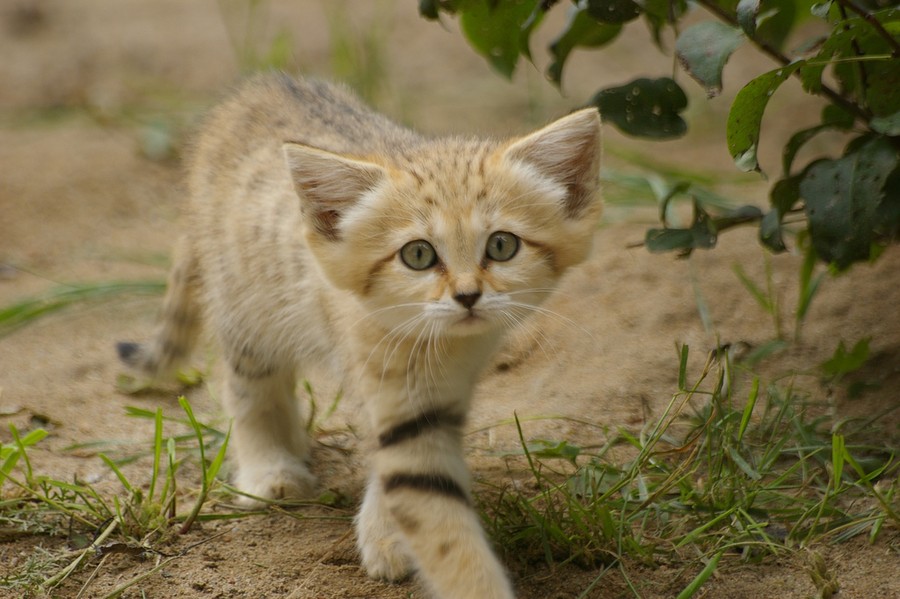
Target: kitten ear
[[328, 184], [566, 151]]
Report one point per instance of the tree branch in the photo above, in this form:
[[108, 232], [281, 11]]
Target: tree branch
[[875, 23], [779, 57]]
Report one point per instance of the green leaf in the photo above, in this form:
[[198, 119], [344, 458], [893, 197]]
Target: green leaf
[[844, 362], [667, 240], [660, 13], [745, 116], [888, 125], [612, 11], [784, 195], [883, 86], [644, 108], [544, 449], [770, 231], [746, 15], [887, 215], [821, 9], [678, 188], [778, 19], [854, 43], [703, 50], [429, 9], [528, 27], [701, 235], [10, 454], [837, 117], [736, 216], [797, 140], [580, 31], [494, 30], [843, 200]]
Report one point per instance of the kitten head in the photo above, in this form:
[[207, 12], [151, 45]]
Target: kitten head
[[453, 237]]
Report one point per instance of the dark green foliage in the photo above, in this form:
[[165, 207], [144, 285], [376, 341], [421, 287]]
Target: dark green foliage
[[703, 49], [583, 31], [644, 108], [851, 203], [845, 202], [745, 117], [496, 30]]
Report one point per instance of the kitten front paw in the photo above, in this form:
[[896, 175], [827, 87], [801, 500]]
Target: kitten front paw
[[283, 481], [386, 558]]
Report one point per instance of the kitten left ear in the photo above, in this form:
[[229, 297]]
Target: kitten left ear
[[566, 151], [328, 184]]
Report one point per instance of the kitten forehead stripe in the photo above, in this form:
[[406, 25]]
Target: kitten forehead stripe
[[427, 483], [414, 427]]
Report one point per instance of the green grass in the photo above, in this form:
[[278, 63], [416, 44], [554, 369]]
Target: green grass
[[64, 297], [145, 515], [719, 477], [735, 469]]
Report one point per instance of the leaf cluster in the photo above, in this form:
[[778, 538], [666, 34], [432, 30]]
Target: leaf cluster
[[851, 203]]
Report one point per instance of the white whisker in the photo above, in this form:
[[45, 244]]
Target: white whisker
[[387, 309], [550, 313]]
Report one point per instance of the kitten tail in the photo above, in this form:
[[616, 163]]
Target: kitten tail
[[179, 322]]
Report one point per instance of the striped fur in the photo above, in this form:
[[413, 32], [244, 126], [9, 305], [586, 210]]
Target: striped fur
[[301, 199]]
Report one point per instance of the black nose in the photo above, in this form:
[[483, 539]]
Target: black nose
[[467, 300]]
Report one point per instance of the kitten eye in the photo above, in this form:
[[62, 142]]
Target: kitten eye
[[502, 246], [418, 255]]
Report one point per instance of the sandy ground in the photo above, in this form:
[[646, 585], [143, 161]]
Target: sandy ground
[[93, 93]]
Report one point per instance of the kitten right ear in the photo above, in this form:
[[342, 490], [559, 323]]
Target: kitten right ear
[[328, 184]]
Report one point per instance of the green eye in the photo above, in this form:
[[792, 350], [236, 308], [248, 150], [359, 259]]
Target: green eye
[[418, 255], [502, 246]]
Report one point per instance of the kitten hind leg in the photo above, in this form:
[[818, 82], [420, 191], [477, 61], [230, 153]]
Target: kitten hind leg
[[178, 325], [268, 436]]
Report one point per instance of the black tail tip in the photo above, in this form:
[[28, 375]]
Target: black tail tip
[[127, 350]]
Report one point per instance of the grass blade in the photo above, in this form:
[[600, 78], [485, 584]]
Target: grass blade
[[57, 299], [748, 409], [157, 451], [702, 577]]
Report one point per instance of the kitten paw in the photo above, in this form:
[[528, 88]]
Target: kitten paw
[[287, 481], [386, 558], [387, 561]]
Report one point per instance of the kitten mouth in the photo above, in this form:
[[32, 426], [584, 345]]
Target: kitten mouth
[[471, 319]]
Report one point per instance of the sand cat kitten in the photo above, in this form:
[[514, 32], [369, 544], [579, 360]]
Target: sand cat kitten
[[318, 228]]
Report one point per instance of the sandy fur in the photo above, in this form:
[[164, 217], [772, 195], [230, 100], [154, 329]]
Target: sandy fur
[[301, 199]]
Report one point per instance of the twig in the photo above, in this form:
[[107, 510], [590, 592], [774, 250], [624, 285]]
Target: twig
[[860, 67], [875, 23], [779, 57], [65, 572]]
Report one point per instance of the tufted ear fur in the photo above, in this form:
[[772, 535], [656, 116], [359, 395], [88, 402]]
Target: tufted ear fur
[[328, 185], [566, 151]]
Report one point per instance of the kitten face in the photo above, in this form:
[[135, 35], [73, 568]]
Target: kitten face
[[462, 267], [462, 237]]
